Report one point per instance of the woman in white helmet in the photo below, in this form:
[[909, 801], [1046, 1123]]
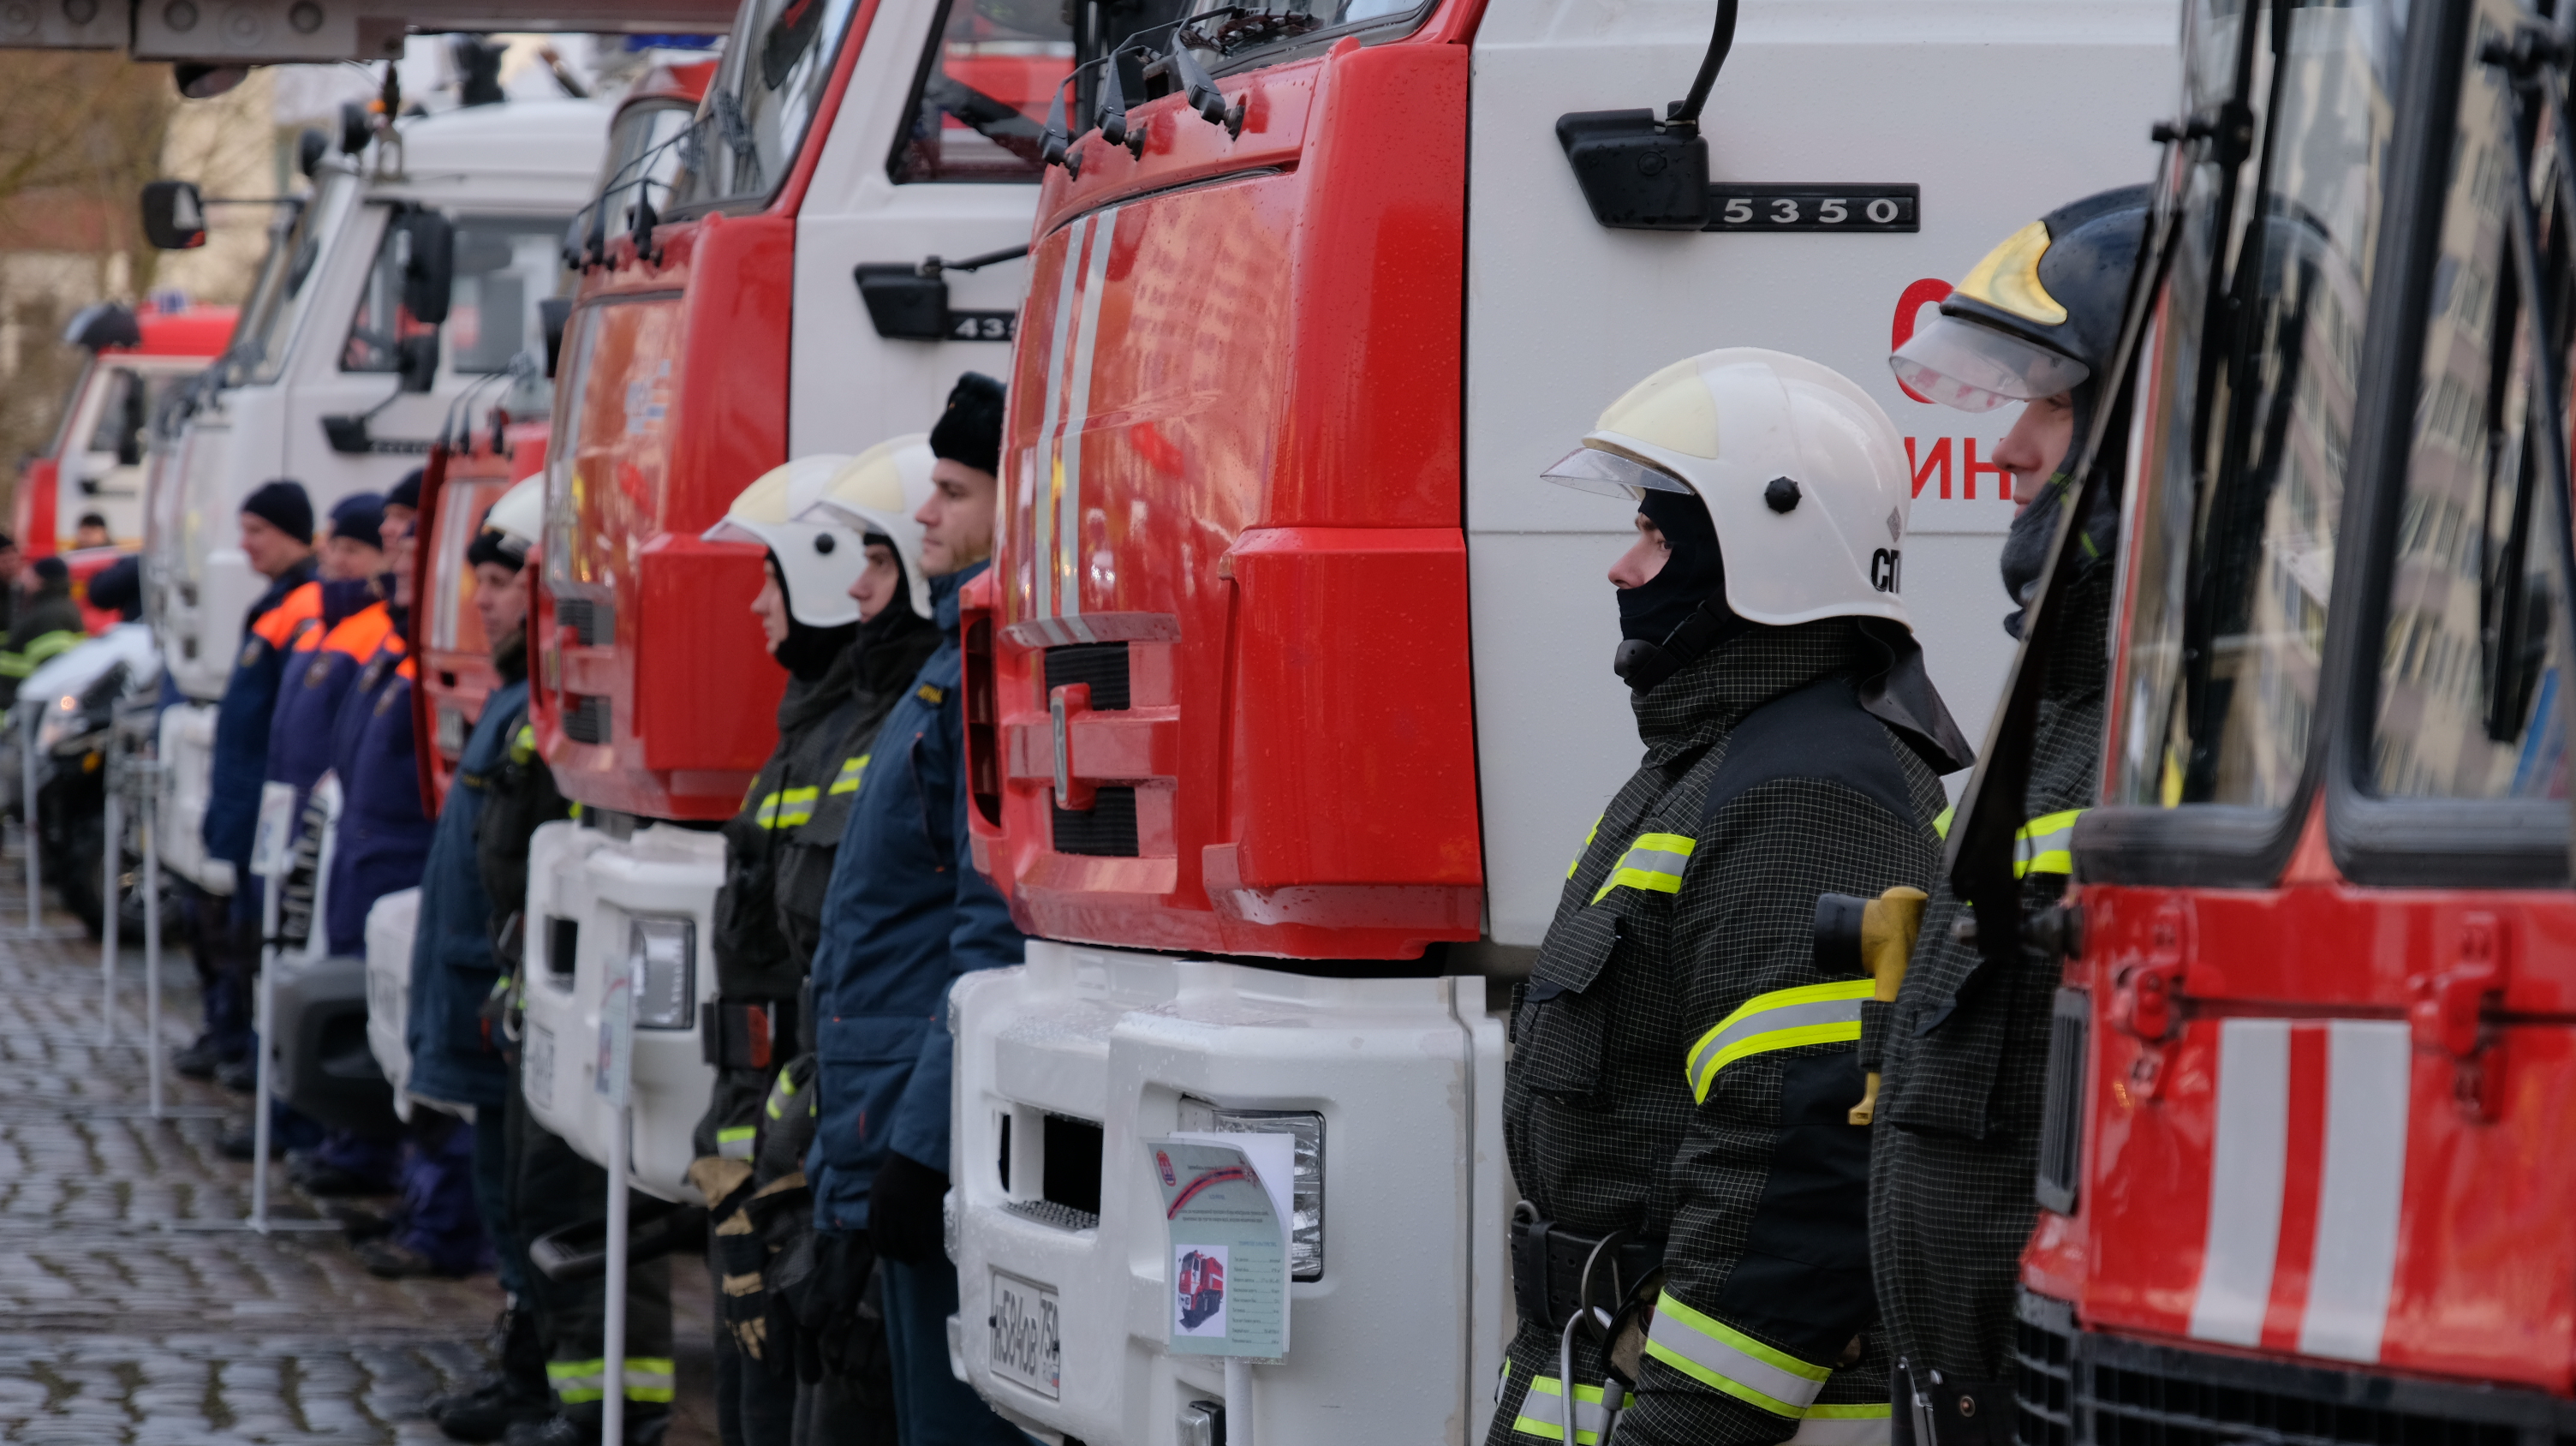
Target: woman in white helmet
[[839, 613], [1676, 1105]]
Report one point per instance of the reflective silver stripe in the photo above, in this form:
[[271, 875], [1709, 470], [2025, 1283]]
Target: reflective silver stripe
[[1077, 415], [1822, 1430], [1787, 1016], [1542, 1412], [1715, 1354], [1042, 507]]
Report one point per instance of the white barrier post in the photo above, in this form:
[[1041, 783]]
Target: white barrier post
[[27, 812], [111, 874], [149, 825]]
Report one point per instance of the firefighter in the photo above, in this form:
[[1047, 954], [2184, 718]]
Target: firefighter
[[849, 645], [549, 1186], [322, 664], [1957, 1137], [277, 541], [48, 623], [1676, 1102], [906, 911], [457, 1055]]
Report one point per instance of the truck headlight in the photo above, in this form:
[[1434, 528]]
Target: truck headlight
[[662, 959], [1305, 1192], [59, 724]]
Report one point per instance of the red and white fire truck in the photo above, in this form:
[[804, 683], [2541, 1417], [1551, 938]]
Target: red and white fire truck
[[2320, 953], [779, 292], [1290, 693], [137, 357]]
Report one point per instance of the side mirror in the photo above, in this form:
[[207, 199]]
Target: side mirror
[[904, 304], [201, 80], [554, 313], [129, 423], [310, 147], [357, 127], [174, 216], [428, 266], [416, 362]]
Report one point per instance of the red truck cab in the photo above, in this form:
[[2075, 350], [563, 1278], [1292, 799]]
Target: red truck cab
[[137, 357]]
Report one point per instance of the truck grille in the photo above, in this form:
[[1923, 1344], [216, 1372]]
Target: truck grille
[[2083, 1388], [592, 623], [1102, 665], [585, 718], [2061, 1121], [1108, 830]]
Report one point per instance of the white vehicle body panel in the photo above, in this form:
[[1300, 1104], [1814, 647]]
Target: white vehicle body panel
[[93, 480], [392, 921], [600, 886]]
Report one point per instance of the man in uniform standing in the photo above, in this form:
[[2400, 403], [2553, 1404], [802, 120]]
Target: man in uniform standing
[[1677, 1102], [1965, 1048]]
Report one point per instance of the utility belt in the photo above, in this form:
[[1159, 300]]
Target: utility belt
[[758, 1035], [1548, 1261]]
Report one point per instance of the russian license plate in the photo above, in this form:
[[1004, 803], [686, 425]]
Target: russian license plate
[[537, 1071], [1026, 1347]]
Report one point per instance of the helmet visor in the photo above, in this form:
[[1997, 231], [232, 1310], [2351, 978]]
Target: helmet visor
[[1611, 474], [1977, 368]]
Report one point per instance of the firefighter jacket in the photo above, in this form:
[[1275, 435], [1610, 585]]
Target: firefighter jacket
[[1682, 1069], [1963, 1055], [519, 796], [319, 672], [905, 913], [291, 607], [453, 970], [50, 626], [384, 834]]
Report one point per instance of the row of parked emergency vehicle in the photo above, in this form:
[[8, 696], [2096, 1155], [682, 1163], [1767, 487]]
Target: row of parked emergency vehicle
[[1287, 694]]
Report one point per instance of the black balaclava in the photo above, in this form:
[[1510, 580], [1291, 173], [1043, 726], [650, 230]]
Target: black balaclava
[[1681, 612], [807, 651], [2025, 550], [878, 639]]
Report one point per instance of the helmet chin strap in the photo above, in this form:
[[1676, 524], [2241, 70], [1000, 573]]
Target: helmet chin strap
[[1642, 665]]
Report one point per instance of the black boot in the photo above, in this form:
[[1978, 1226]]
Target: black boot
[[515, 1391], [580, 1426]]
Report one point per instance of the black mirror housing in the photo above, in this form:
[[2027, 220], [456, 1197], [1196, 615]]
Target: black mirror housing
[[429, 266], [347, 433], [554, 313], [174, 215], [310, 147], [1635, 174], [904, 304], [357, 127]]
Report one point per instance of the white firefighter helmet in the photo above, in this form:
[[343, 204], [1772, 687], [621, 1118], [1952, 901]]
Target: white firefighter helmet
[[817, 557], [878, 491], [1803, 476], [519, 514]]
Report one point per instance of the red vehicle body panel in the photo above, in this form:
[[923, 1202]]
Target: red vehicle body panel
[[456, 672], [1234, 445], [698, 333], [2364, 1079]]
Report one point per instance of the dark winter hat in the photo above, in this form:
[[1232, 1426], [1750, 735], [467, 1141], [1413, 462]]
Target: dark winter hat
[[52, 575], [118, 588], [970, 431], [406, 493], [359, 517], [282, 505]]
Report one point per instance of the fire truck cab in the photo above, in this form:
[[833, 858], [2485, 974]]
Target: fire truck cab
[[2304, 1088], [332, 381], [866, 168], [138, 356], [1289, 694]]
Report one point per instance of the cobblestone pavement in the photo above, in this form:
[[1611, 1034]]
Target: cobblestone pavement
[[124, 1318]]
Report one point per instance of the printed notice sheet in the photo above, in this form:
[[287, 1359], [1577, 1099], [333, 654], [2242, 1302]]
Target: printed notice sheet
[[1227, 1245]]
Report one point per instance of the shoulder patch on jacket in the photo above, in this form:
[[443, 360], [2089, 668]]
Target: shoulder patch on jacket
[[1819, 732], [931, 693]]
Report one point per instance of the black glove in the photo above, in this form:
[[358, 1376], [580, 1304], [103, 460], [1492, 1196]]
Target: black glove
[[904, 1210]]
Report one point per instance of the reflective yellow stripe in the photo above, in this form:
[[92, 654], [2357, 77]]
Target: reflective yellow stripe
[[648, 1378], [852, 770], [1781, 1019], [40, 649], [733, 1142], [767, 817], [796, 805], [1655, 861], [523, 745], [1718, 1356], [2046, 844], [1941, 825], [1545, 1418], [1589, 835], [1844, 1426]]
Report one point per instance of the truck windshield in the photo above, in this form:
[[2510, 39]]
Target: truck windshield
[[1249, 35], [2247, 409], [777, 68], [979, 110], [505, 265], [268, 324]]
